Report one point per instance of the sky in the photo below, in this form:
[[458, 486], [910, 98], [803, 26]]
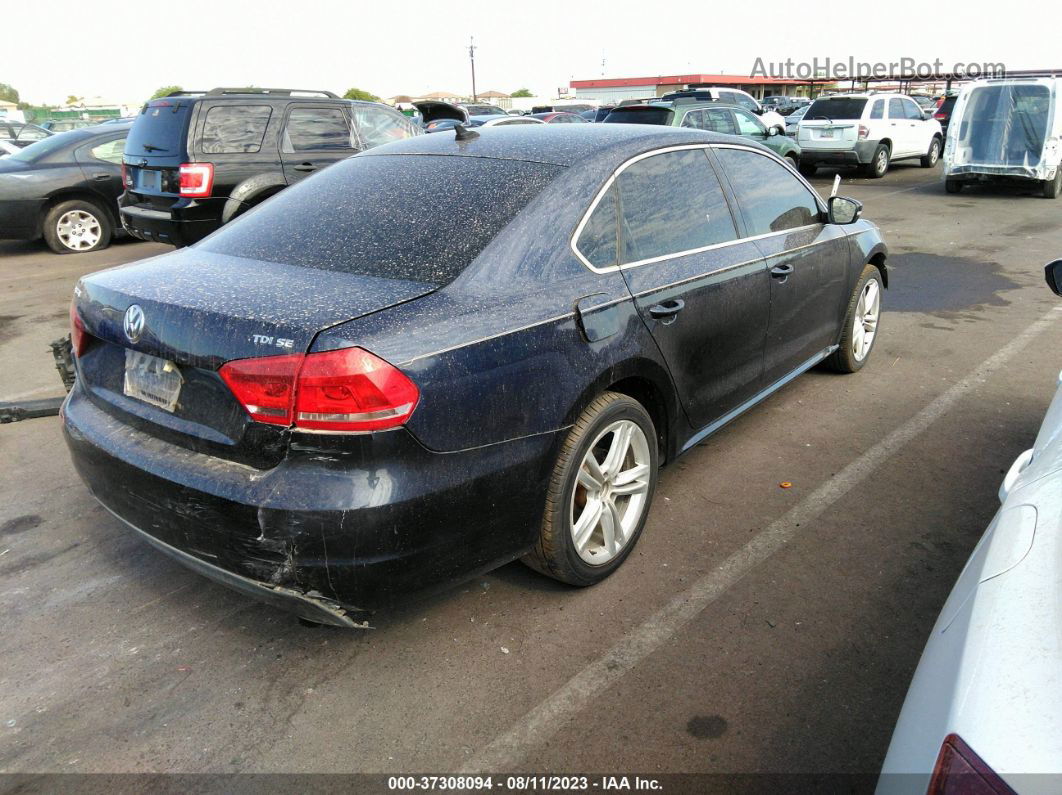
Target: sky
[[125, 50]]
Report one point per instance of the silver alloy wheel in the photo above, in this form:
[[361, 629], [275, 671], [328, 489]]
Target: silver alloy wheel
[[611, 493], [934, 152], [865, 322], [78, 230], [882, 164]]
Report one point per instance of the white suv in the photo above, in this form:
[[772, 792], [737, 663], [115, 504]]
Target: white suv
[[870, 130]]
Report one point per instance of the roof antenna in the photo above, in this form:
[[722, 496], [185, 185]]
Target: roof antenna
[[463, 133]]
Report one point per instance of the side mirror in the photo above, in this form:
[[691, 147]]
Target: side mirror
[[1053, 274], [772, 131], [843, 210]]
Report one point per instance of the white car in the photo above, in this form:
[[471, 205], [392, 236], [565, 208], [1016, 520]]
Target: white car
[[868, 130], [987, 694]]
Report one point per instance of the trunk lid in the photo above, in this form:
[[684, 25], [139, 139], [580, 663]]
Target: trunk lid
[[824, 134], [156, 147], [202, 309]]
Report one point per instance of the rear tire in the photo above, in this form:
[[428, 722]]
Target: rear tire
[[793, 161], [808, 169], [1053, 187], [952, 185], [602, 486], [929, 159], [878, 166], [855, 349], [77, 227]]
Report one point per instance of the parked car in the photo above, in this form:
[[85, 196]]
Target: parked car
[[731, 96], [1007, 130], [64, 188], [66, 125], [783, 104], [195, 160], [943, 115], [484, 109], [597, 114], [868, 130], [22, 133], [315, 405], [444, 125], [714, 117], [563, 107], [792, 121], [559, 117], [984, 709]]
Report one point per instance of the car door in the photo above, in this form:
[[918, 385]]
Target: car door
[[315, 137], [807, 259], [900, 129], [100, 162], [749, 126], [701, 291], [921, 130]]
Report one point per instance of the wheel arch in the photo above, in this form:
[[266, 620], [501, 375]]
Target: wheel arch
[[250, 192], [877, 259], [79, 194]]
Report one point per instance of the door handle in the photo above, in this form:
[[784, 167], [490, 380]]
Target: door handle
[[782, 272], [666, 310], [305, 167]]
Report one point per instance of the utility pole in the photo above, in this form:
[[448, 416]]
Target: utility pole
[[472, 60]]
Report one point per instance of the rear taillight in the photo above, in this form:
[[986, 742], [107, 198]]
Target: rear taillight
[[347, 390], [127, 178], [940, 116], [78, 336], [864, 131], [959, 771], [196, 180]]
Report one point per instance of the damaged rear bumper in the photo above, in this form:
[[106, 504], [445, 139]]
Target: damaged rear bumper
[[333, 532]]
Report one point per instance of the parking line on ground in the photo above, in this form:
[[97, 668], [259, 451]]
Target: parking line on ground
[[507, 750]]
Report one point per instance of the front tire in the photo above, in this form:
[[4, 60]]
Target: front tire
[[599, 494], [861, 323], [77, 227], [929, 159], [1053, 187]]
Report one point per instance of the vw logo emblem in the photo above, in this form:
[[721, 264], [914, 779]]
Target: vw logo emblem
[[134, 322]]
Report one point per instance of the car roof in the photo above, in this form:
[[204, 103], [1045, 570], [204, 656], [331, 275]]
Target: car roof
[[562, 145]]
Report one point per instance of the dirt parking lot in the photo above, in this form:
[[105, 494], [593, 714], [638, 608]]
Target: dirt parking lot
[[755, 629]]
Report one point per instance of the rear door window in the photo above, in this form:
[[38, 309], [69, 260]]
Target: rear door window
[[317, 130], [672, 203], [694, 119], [231, 129], [597, 241], [771, 198], [111, 151]]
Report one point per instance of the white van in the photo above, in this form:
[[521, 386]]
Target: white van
[[869, 130], [1006, 129]]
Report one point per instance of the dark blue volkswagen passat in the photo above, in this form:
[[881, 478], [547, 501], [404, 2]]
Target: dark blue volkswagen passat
[[442, 355]]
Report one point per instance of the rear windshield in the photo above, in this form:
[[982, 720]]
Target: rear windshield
[[837, 108], [414, 217], [639, 116], [160, 129]]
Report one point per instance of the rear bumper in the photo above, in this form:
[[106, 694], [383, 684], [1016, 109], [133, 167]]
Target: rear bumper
[[861, 154], [342, 526], [185, 223]]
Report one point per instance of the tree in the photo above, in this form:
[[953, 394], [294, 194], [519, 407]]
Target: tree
[[8, 93], [357, 93], [165, 90], [72, 100], [522, 92]]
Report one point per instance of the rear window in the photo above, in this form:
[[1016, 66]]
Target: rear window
[[839, 108], [386, 216], [639, 116], [161, 128]]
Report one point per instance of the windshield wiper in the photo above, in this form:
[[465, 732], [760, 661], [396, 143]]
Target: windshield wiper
[[151, 148]]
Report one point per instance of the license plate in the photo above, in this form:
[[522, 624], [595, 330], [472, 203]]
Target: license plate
[[152, 380], [826, 133], [150, 180]]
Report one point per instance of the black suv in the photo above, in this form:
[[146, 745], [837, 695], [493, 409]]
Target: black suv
[[195, 160]]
